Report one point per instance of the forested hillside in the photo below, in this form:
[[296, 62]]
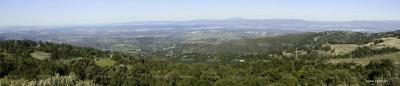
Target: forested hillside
[[268, 44], [288, 60]]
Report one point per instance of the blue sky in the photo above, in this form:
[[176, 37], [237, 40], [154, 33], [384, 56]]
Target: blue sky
[[67, 12]]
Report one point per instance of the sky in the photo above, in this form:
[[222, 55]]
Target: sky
[[68, 12]]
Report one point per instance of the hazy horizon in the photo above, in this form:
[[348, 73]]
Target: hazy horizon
[[189, 20], [76, 12]]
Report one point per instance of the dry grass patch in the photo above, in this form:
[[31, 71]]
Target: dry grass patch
[[389, 42], [105, 62], [40, 55], [341, 49]]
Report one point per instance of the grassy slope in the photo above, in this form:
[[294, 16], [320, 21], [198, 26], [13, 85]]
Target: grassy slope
[[105, 62], [347, 48], [364, 61]]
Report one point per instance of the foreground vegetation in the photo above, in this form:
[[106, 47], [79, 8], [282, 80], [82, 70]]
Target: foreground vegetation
[[24, 62]]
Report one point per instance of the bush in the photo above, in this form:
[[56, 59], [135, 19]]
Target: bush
[[57, 80]]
